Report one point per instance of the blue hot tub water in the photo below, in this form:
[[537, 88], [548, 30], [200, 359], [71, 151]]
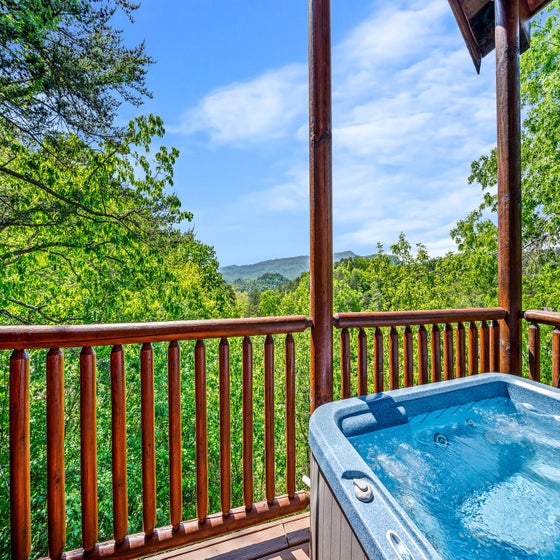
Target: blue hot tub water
[[480, 479], [463, 469]]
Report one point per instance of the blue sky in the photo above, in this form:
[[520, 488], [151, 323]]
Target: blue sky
[[409, 115]]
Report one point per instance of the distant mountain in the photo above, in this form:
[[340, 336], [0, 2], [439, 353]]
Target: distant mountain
[[290, 268]]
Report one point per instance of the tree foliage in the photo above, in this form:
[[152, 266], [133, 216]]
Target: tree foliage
[[95, 237], [91, 231], [408, 278], [540, 161], [89, 225], [64, 68]]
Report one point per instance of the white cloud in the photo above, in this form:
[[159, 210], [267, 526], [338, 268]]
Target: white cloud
[[291, 196], [394, 33], [263, 108], [409, 115]]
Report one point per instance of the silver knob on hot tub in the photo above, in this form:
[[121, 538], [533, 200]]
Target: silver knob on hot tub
[[363, 490]]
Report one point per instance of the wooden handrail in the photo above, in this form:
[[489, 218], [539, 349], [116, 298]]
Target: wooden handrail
[[545, 317], [118, 338], [409, 318], [68, 336], [450, 356]]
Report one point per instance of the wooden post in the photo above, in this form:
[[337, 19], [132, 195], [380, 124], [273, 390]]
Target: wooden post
[[509, 181], [320, 194], [20, 478], [88, 448], [56, 496]]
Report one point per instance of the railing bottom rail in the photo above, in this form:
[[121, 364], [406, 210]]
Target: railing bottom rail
[[188, 532]]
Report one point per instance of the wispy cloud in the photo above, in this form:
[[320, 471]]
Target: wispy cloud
[[409, 115], [291, 195], [394, 35], [252, 111]]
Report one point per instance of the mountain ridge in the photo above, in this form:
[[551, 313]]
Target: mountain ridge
[[289, 267]]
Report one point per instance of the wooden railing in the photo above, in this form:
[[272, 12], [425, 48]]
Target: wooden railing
[[378, 351], [178, 532], [442, 352], [536, 319]]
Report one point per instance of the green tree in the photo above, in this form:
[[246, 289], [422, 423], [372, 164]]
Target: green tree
[[97, 239], [269, 303], [64, 68], [540, 160], [91, 231]]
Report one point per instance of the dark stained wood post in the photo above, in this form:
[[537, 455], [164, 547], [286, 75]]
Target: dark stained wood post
[[269, 431], [248, 494], [225, 428], [88, 448], [56, 496], [175, 434], [320, 194], [148, 422], [201, 428], [118, 444], [345, 360], [290, 416], [509, 181], [20, 493]]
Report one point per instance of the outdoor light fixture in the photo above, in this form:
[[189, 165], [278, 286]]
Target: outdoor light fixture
[[476, 21]]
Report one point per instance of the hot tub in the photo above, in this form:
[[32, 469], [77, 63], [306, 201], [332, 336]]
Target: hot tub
[[469, 468]]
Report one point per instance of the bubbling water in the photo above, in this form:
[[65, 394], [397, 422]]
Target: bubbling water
[[481, 480]]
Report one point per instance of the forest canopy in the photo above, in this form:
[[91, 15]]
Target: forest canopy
[[90, 227]]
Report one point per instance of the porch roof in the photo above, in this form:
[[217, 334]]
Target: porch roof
[[476, 20]]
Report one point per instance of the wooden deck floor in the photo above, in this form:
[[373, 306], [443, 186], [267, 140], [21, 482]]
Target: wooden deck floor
[[286, 539]]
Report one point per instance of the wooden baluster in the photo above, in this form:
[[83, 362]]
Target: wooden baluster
[[290, 416], [20, 496], [436, 353], [362, 363], [408, 351], [88, 448], [556, 357], [473, 349], [393, 359], [422, 355], [225, 428], [270, 481], [534, 352], [118, 444], [484, 347], [201, 431], [460, 368], [248, 497], [495, 346], [345, 364], [448, 352], [378, 360], [148, 438], [56, 502], [175, 434]]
